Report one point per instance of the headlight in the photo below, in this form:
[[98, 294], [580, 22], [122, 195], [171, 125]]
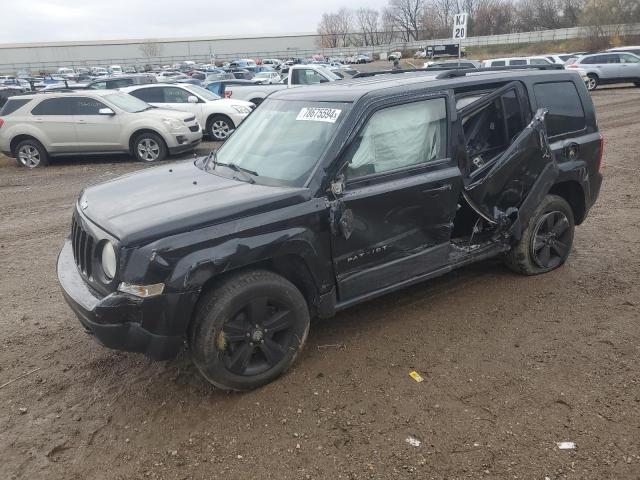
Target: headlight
[[172, 123], [241, 109], [109, 260]]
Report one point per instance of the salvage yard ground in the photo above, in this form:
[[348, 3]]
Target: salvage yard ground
[[511, 364]]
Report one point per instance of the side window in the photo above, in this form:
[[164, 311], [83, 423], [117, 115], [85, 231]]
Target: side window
[[566, 113], [98, 85], [517, 62], [626, 58], [490, 128], [119, 83], [400, 136], [87, 106], [307, 76], [498, 63], [12, 105], [149, 95], [539, 61], [54, 106], [175, 95]]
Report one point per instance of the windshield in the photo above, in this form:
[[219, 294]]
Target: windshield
[[126, 102], [203, 92], [283, 140]]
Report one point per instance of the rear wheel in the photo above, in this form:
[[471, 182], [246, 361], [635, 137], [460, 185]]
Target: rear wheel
[[249, 330], [149, 147], [546, 242], [31, 154], [592, 81], [219, 127]]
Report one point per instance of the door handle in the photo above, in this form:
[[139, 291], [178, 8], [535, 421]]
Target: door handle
[[432, 191], [81, 121]]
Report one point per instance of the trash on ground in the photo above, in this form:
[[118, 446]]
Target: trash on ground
[[416, 376], [566, 445], [413, 441]]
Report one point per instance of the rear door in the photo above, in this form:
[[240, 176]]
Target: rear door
[[400, 198], [510, 164], [54, 118]]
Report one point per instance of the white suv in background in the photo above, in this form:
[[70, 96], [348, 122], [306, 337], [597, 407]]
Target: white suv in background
[[607, 67], [218, 116], [42, 125], [515, 61]]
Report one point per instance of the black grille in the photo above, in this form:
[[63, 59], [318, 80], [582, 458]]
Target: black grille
[[83, 244], [195, 128]]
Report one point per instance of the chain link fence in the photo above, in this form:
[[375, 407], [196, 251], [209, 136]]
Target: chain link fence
[[305, 51]]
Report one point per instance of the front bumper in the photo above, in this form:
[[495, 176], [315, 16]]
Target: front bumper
[[117, 320]]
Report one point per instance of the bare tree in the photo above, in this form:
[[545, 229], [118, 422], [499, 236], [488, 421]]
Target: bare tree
[[335, 28], [367, 23], [151, 49], [406, 15]]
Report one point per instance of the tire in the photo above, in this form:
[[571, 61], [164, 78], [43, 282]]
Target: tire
[[31, 154], [149, 147], [241, 336], [593, 81], [546, 242], [219, 127]]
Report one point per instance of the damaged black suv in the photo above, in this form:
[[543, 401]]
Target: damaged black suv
[[327, 196]]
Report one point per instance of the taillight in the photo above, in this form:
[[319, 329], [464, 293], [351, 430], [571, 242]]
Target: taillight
[[1, 122], [601, 152], [228, 93], [571, 66]]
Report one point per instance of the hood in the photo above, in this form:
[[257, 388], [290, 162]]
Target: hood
[[229, 102], [175, 198], [161, 113]]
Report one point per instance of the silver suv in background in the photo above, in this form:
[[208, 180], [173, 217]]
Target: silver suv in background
[[42, 125], [608, 67]]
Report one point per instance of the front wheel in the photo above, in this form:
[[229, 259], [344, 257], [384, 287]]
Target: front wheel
[[149, 147], [219, 127], [592, 81], [546, 242], [248, 331]]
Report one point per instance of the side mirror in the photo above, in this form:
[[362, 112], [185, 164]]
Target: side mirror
[[106, 111], [192, 99], [324, 80]]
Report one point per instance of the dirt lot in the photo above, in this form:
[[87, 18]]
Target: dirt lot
[[512, 365]]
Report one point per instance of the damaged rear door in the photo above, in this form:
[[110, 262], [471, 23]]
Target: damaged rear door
[[510, 165]]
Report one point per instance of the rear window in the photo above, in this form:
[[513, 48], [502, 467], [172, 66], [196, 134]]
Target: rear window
[[566, 113], [498, 63], [12, 105], [54, 106], [518, 62]]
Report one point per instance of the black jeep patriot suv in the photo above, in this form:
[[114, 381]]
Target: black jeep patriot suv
[[327, 196]]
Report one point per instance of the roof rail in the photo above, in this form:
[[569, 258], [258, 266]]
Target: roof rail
[[461, 72], [446, 72]]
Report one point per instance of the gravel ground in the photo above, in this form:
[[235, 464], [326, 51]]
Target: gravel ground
[[511, 365]]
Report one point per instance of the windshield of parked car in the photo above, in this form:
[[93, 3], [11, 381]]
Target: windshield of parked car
[[203, 93], [127, 102], [282, 141]]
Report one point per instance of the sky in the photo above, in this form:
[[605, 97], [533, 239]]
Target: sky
[[27, 21]]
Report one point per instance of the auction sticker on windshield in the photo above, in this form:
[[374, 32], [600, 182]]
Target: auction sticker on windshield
[[329, 115]]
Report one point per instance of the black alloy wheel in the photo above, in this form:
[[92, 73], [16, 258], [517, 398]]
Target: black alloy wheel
[[248, 330], [257, 337], [551, 240]]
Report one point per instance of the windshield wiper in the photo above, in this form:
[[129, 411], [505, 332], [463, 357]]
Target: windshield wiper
[[246, 172]]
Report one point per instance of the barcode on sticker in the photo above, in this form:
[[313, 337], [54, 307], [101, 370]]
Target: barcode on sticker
[[313, 114]]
